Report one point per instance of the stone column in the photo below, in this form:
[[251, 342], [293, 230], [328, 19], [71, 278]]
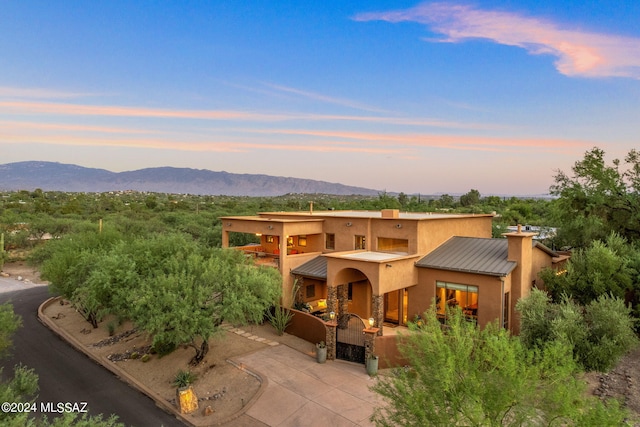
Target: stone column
[[377, 312], [370, 342], [332, 299], [298, 288], [331, 339], [343, 306]]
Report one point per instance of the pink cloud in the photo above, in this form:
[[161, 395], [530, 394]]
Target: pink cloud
[[578, 53], [456, 142], [32, 107], [15, 92]]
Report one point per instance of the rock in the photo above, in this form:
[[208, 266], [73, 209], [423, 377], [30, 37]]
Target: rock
[[208, 411]]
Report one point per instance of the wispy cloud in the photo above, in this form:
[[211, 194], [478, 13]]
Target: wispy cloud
[[455, 142], [66, 109], [290, 140], [39, 93], [578, 53], [327, 99]]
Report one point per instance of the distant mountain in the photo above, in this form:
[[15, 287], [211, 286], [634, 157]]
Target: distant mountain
[[50, 176]]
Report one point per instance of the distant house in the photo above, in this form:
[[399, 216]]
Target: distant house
[[391, 266]]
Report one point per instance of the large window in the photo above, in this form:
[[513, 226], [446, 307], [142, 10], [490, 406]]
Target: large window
[[359, 242], [387, 244], [457, 295]]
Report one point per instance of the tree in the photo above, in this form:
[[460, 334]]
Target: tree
[[598, 199], [598, 334], [599, 269], [463, 375], [471, 198], [188, 303]]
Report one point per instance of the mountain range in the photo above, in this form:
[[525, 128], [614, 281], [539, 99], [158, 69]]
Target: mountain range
[[52, 176]]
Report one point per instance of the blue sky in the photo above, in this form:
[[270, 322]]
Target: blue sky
[[419, 97]]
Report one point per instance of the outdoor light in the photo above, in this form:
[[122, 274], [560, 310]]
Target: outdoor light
[[332, 315], [371, 321], [349, 224]]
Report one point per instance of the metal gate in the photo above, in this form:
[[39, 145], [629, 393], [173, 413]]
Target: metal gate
[[350, 338]]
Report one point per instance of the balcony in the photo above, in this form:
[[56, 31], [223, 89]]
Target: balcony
[[260, 255]]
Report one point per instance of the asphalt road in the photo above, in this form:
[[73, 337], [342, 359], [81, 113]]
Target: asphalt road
[[66, 375]]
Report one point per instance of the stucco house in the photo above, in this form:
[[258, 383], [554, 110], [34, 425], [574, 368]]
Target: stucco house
[[389, 266]]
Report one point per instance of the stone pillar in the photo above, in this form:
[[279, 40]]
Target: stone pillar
[[377, 312], [370, 342], [298, 288], [332, 299], [342, 294], [331, 339]]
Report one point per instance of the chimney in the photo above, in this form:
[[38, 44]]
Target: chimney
[[520, 250], [390, 213]]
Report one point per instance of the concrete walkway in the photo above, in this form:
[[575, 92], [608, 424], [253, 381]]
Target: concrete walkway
[[301, 392]]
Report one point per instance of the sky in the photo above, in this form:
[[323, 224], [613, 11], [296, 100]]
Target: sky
[[398, 96]]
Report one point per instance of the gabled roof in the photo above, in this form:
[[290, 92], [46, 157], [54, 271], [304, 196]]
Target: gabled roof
[[471, 255], [315, 268]]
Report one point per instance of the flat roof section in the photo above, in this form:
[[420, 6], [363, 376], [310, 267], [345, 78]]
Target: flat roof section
[[377, 214], [368, 256]]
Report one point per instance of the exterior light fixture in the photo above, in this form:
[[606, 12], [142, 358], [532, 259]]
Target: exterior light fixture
[[371, 322], [228, 224], [349, 224], [398, 226], [332, 315], [270, 227]]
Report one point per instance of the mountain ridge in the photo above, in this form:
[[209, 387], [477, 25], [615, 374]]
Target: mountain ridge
[[54, 176]]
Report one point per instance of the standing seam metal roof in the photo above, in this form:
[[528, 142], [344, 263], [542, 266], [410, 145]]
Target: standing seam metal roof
[[315, 268], [471, 255]]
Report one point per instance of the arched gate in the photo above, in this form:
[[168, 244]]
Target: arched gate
[[350, 338]]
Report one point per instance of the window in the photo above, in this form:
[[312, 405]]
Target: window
[[457, 295], [330, 241], [311, 291], [505, 311], [350, 292], [359, 242], [387, 244], [302, 240]]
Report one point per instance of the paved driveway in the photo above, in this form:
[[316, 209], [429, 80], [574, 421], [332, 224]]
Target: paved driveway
[[66, 375], [301, 392]]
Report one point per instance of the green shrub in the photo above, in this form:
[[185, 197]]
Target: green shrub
[[280, 319], [184, 378]]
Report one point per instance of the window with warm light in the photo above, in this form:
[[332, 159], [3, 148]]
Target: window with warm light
[[386, 244], [457, 295]]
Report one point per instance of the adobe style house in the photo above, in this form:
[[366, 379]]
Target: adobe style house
[[390, 266]]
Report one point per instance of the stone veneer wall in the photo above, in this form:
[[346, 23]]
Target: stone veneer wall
[[377, 312]]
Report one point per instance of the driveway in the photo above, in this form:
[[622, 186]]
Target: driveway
[[67, 375], [301, 392]]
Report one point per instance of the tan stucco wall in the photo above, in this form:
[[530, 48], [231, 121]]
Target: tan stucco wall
[[433, 233], [490, 292], [541, 260]]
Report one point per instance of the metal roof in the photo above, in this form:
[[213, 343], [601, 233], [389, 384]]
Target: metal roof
[[471, 255], [315, 268]]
